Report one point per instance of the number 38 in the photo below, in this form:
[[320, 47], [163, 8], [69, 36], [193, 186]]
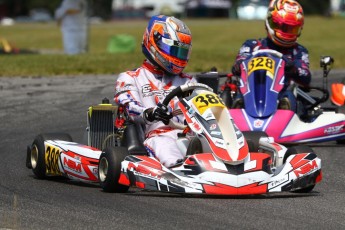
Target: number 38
[[209, 99]]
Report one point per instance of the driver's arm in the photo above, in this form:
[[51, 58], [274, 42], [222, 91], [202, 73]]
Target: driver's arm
[[245, 51], [127, 94], [300, 73]]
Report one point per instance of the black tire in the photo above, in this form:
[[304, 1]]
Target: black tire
[[194, 147], [226, 97], [341, 141], [36, 155], [294, 150], [109, 169], [340, 109], [252, 138]]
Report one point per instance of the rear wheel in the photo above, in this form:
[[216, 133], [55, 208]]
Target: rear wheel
[[36, 152], [294, 151], [109, 169]]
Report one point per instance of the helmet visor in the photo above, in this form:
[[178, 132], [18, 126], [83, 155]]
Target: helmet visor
[[173, 48], [284, 27]]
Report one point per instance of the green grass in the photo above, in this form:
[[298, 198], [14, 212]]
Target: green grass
[[215, 43]]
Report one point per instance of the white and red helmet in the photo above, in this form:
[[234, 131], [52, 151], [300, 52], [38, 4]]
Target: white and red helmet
[[284, 22]]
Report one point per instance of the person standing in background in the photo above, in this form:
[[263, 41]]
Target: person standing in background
[[72, 17]]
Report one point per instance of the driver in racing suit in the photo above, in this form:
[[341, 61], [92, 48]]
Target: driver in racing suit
[[167, 43], [284, 23]]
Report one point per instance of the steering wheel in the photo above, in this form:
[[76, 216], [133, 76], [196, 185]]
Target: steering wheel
[[274, 53], [268, 51], [180, 92]]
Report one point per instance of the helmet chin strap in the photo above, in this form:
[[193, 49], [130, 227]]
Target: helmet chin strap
[[153, 64], [283, 43], [158, 68], [150, 59]]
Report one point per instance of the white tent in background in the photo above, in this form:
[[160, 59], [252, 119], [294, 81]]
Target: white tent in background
[[337, 6]]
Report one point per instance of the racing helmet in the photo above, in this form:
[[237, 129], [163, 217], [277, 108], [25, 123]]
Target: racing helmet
[[167, 43], [284, 22]]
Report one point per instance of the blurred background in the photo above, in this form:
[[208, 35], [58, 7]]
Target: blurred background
[[42, 10], [115, 29]]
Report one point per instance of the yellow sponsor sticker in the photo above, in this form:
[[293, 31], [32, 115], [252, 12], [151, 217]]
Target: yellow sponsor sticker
[[207, 100], [52, 160]]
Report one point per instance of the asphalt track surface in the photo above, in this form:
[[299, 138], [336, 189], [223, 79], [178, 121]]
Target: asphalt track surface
[[33, 105]]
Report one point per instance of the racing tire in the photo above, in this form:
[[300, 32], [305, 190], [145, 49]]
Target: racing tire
[[36, 153], [340, 109], [252, 138], [341, 141], [194, 147], [109, 169], [294, 150]]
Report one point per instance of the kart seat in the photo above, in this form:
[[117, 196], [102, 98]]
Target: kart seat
[[133, 138]]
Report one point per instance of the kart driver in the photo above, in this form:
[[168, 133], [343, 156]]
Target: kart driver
[[167, 44], [284, 23]]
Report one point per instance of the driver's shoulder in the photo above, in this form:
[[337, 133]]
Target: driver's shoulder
[[253, 42], [185, 76], [301, 48]]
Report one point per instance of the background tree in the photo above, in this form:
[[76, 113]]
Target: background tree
[[101, 8]]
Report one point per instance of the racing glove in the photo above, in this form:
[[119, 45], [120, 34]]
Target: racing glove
[[158, 113], [290, 69], [236, 69]]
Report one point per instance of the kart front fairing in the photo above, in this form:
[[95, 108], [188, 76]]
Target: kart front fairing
[[261, 81], [204, 174], [209, 119]]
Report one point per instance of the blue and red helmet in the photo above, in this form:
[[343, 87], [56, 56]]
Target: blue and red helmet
[[167, 43]]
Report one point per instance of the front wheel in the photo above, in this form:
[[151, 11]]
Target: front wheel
[[341, 141], [294, 151], [194, 147], [109, 169]]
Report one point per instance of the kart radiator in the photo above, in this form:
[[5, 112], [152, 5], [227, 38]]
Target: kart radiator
[[100, 126]]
